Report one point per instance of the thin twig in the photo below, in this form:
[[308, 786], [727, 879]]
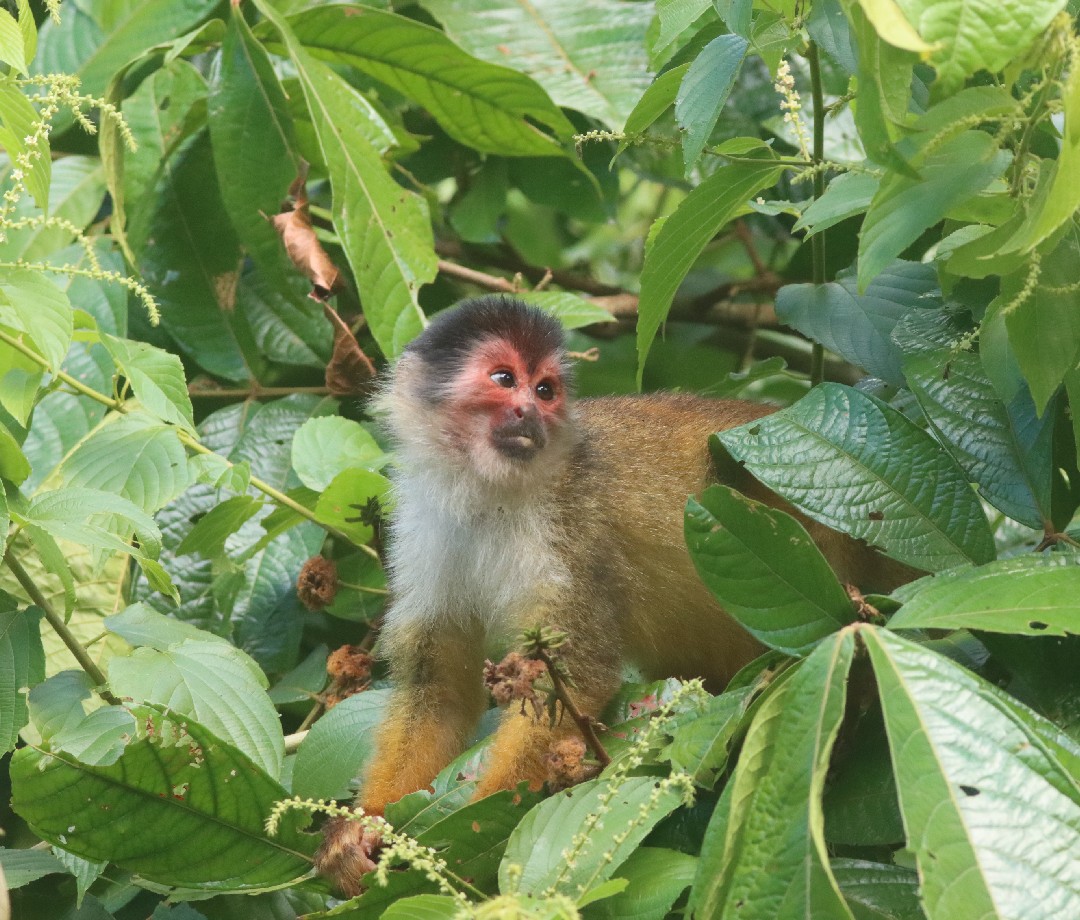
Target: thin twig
[[583, 722]]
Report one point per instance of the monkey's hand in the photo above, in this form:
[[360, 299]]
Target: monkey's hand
[[347, 854]]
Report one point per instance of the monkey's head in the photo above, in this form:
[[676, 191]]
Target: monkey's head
[[485, 389]]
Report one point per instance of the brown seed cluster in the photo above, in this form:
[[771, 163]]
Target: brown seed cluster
[[349, 668], [566, 765], [317, 585], [512, 679]]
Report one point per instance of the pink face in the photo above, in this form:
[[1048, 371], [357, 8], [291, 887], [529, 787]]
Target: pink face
[[508, 403]]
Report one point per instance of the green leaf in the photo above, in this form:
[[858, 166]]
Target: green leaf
[[964, 756], [194, 265], [1026, 595], [569, 309], [384, 229], [858, 327], [847, 195], [72, 719], [590, 57], [22, 665], [214, 683], [12, 44], [737, 545], [1062, 197], [323, 447], [154, 470], [342, 501], [478, 104], [32, 305], [656, 100], [774, 862], [17, 117], [95, 518], [676, 16], [423, 907], [21, 867], [254, 146], [180, 807], [339, 746], [854, 464], [1006, 450], [20, 379], [702, 741], [684, 234], [967, 38], [140, 624], [13, 463], [96, 40], [890, 23], [539, 843], [904, 207], [75, 193], [208, 536], [1044, 328], [704, 91], [878, 891], [156, 377], [656, 878]]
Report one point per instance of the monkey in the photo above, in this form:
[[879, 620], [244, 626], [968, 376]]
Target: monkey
[[518, 506]]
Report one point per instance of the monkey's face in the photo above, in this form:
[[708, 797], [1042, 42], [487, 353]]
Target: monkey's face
[[508, 412]]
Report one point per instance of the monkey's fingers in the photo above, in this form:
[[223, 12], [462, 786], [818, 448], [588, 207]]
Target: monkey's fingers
[[347, 854]]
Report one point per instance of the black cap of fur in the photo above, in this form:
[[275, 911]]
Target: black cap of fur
[[454, 333]]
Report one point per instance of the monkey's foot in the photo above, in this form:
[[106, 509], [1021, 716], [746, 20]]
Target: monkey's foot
[[346, 854]]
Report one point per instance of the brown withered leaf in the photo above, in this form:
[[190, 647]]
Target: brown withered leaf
[[349, 370], [302, 245]]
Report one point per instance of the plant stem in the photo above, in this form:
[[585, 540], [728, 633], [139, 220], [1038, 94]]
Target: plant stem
[[253, 392], [57, 623], [584, 723], [817, 241], [187, 439]]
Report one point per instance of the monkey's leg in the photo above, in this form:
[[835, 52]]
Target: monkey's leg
[[433, 710], [522, 741]]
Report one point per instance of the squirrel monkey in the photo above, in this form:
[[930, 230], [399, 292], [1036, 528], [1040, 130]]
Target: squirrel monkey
[[518, 506]]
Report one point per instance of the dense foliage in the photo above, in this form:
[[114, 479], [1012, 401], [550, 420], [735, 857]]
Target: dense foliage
[[207, 205]]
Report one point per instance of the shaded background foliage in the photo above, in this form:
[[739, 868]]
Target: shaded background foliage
[[735, 198]]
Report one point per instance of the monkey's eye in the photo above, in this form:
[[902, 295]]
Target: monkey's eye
[[503, 378], [545, 390]]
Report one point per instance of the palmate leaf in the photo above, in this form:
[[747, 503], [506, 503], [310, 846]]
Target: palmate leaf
[[588, 56], [991, 813], [855, 464], [478, 104], [1026, 595], [384, 229], [180, 807], [773, 863]]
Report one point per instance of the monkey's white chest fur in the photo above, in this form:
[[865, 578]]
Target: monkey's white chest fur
[[456, 555]]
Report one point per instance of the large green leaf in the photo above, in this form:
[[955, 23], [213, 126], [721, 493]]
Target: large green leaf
[[94, 518], [17, 117], [339, 746], [774, 863], [36, 310], [858, 327], [684, 234], [22, 664], [589, 57], [853, 463], [214, 683], [96, 40], [878, 891], [1027, 595], [762, 566], [1005, 449], [156, 377], [656, 878], [154, 470], [904, 207], [478, 104], [254, 147], [325, 446], [71, 718], [704, 90], [540, 842], [847, 195], [1044, 328], [180, 807], [991, 814], [384, 229], [967, 37]]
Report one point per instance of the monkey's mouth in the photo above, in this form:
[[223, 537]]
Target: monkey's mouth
[[519, 440]]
